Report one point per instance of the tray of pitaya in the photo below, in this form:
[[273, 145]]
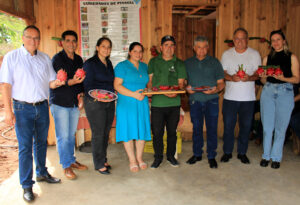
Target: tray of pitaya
[[163, 89], [103, 95]]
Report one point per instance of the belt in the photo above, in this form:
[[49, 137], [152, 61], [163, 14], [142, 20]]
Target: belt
[[33, 104]]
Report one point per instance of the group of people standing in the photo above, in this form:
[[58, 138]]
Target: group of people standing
[[27, 74]]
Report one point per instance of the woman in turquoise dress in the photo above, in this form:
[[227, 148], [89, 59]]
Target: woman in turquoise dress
[[133, 117]]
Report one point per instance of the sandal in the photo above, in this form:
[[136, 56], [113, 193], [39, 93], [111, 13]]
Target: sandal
[[134, 168], [143, 166]]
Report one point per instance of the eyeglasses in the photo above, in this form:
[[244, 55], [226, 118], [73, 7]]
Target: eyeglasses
[[240, 39], [32, 38]]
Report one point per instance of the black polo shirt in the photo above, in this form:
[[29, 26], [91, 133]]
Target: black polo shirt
[[98, 76], [66, 96]]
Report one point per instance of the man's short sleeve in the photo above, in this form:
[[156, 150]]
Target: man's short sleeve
[[151, 66], [6, 71], [120, 71], [219, 70]]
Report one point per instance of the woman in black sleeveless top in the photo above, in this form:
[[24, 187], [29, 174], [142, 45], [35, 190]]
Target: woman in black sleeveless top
[[277, 98]]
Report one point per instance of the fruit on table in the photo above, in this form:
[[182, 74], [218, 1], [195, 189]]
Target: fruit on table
[[62, 75], [241, 73], [164, 87], [260, 70], [270, 70], [154, 89], [278, 71], [80, 73]]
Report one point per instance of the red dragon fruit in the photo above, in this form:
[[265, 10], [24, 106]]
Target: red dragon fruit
[[278, 71], [80, 73], [260, 70], [241, 73], [62, 75], [270, 70]]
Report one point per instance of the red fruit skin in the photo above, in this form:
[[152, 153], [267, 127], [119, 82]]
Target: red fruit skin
[[278, 71], [61, 75], [241, 74], [154, 89], [260, 71], [164, 87], [101, 95], [175, 87], [270, 71], [80, 73]]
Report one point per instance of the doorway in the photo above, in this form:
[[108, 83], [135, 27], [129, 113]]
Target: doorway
[[189, 22]]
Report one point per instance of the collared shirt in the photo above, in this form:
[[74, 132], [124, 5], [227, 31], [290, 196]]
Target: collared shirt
[[166, 73], [98, 75], [29, 75], [205, 72], [66, 96]]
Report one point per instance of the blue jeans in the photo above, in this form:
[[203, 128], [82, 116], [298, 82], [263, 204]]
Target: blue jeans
[[277, 103], [32, 124], [66, 120], [232, 109], [210, 111]]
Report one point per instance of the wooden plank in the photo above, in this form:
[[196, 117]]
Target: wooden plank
[[195, 10]]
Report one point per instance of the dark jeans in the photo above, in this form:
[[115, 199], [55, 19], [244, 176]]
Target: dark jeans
[[100, 116], [32, 124], [295, 123], [161, 117], [232, 109], [210, 111]]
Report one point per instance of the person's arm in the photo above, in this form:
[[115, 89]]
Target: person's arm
[[263, 78], [56, 84], [295, 72], [75, 80], [124, 91], [9, 115], [233, 78], [216, 89]]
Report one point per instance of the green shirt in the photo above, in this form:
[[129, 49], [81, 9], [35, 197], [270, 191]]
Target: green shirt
[[166, 73], [203, 73]]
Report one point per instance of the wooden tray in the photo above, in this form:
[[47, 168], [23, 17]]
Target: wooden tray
[[162, 92]]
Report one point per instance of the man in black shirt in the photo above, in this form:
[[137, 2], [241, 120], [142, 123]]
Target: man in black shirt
[[64, 103]]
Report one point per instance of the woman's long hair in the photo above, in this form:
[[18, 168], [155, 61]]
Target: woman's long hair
[[100, 40], [285, 46]]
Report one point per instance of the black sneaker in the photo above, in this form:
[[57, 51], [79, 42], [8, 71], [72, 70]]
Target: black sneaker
[[173, 162], [156, 163], [264, 163], [275, 165]]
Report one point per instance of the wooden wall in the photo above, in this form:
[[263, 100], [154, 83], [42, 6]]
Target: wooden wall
[[52, 18], [186, 29], [259, 17], [293, 26]]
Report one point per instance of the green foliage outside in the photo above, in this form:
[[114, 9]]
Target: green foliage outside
[[11, 29]]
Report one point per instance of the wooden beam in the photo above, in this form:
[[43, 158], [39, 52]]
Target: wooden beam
[[195, 10]]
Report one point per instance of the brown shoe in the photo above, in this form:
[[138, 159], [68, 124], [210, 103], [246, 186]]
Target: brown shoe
[[79, 166], [69, 173]]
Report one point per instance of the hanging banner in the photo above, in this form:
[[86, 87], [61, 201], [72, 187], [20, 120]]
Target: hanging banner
[[118, 20]]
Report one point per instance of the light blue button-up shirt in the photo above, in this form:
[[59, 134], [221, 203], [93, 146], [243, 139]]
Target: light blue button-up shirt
[[29, 75]]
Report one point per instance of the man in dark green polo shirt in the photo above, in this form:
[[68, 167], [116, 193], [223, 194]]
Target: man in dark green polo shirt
[[204, 70], [165, 69]]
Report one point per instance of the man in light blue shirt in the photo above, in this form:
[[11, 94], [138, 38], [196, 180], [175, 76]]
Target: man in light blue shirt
[[26, 75]]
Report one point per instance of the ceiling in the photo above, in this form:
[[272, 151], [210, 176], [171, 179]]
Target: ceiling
[[207, 12]]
